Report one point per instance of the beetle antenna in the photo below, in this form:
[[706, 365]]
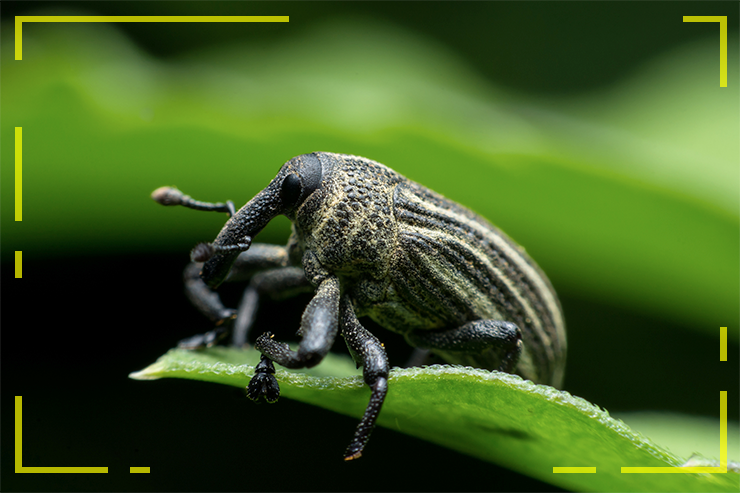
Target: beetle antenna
[[173, 196]]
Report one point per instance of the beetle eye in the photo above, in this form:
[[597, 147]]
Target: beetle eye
[[291, 191]]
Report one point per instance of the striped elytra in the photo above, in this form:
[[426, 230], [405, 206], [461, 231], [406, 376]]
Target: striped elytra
[[415, 260]]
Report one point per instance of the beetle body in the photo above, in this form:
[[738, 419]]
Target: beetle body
[[413, 260], [373, 243]]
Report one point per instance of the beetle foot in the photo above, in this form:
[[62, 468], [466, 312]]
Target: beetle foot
[[263, 383]]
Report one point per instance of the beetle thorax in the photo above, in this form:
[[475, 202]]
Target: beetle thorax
[[349, 224]]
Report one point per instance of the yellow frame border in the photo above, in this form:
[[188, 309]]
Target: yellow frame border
[[20, 19], [680, 469], [698, 469], [722, 19], [20, 468]]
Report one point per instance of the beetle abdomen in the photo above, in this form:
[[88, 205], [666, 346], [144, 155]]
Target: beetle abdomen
[[453, 266]]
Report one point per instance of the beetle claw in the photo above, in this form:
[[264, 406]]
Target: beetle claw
[[352, 456]]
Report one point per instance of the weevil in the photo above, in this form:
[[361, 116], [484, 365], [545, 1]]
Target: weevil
[[369, 242]]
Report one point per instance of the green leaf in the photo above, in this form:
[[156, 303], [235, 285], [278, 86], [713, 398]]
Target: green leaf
[[490, 415]]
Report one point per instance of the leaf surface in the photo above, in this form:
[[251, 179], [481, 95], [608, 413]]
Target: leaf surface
[[494, 416]]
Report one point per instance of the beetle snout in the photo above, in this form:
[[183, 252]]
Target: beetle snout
[[236, 235], [297, 180]]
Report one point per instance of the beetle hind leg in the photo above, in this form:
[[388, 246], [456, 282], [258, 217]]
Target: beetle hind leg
[[491, 344]]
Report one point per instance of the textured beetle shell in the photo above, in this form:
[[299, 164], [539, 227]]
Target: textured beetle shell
[[414, 260], [350, 219]]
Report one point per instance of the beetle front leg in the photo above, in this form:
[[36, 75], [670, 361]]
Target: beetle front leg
[[318, 330], [368, 352], [495, 341], [276, 284]]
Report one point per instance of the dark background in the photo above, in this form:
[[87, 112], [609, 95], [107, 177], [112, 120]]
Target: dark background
[[75, 326]]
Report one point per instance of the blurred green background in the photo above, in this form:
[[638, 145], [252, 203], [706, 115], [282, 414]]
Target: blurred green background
[[595, 134]]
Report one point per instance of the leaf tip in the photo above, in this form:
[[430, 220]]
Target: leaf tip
[[151, 372]]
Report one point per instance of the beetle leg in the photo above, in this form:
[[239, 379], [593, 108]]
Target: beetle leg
[[209, 304], [259, 257], [276, 283], [318, 330], [368, 352], [492, 340]]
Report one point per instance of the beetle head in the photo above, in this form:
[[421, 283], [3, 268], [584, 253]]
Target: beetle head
[[294, 183]]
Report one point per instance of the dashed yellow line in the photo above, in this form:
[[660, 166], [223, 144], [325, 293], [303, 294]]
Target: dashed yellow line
[[18, 173], [574, 470]]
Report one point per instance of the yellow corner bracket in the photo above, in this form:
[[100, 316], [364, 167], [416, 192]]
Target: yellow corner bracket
[[722, 19], [20, 468], [698, 469]]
